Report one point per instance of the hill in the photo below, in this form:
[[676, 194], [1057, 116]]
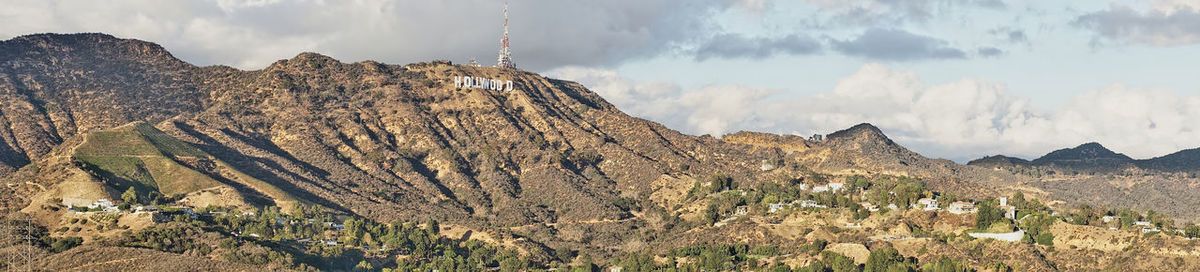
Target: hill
[[548, 165]]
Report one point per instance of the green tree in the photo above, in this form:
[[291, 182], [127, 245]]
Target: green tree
[[1045, 239], [130, 195], [838, 262]]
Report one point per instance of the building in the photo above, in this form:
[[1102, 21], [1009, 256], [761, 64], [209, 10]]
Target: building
[[961, 207], [893, 207], [741, 210], [836, 186], [1010, 212], [870, 207], [820, 188], [1141, 223], [803, 187], [927, 204], [775, 207], [104, 205], [1149, 229], [810, 203], [1108, 218]]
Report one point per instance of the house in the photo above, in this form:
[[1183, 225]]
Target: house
[[775, 207], [961, 207], [767, 165], [803, 187], [741, 210], [893, 206], [1149, 229], [853, 225], [144, 209], [104, 205], [927, 204], [810, 203], [329, 242], [820, 188], [1141, 223], [870, 207], [1108, 218], [836, 186], [1010, 212], [334, 226]]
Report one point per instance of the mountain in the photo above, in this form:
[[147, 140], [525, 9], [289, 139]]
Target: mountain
[[546, 168], [1089, 156], [1000, 161], [1182, 161]]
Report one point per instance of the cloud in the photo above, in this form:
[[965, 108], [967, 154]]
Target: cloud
[[960, 120], [891, 12], [740, 46], [252, 34], [896, 45], [1010, 35], [988, 51], [1167, 23]]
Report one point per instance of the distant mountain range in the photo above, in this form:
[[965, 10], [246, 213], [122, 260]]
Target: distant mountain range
[[1093, 157]]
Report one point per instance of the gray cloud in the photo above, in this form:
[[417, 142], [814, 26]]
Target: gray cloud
[[959, 120], [740, 46], [897, 45], [252, 34], [1167, 24], [892, 12], [989, 51], [1010, 35]]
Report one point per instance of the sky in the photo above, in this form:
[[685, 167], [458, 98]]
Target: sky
[[949, 79]]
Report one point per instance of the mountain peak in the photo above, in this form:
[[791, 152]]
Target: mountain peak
[[1088, 154], [860, 132], [89, 44]]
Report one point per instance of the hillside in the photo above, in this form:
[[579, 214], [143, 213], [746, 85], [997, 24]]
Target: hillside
[[545, 168]]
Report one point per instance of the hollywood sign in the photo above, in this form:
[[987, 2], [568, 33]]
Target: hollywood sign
[[483, 83]]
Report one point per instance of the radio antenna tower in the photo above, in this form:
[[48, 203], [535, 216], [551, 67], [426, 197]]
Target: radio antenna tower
[[505, 60]]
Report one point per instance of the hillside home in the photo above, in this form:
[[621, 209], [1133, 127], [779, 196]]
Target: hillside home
[[893, 207], [927, 204], [836, 186], [1149, 229], [1108, 218], [870, 207], [1141, 223], [741, 210], [820, 188], [810, 203], [803, 187], [104, 205], [1010, 212], [961, 207], [775, 207]]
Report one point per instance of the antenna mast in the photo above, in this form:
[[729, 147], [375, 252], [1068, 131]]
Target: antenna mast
[[505, 59]]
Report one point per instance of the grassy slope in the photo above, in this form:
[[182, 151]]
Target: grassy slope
[[141, 155]]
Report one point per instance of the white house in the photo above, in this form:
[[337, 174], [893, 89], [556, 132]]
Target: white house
[[961, 207], [870, 207], [803, 186], [105, 205], [810, 203], [836, 186], [1149, 229], [1141, 223], [927, 204], [741, 210], [1108, 218], [775, 207], [820, 188]]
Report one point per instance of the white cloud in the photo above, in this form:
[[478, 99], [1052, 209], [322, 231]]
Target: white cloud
[[252, 34], [1166, 23], [960, 120]]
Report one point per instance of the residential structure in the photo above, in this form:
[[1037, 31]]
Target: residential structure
[[775, 207], [961, 207], [927, 204], [820, 188], [836, 186], [870, 207], [810, 203]]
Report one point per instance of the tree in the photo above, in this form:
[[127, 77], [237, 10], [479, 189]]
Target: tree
[[986, 214], [1192, 231], [130, 195], [838, 262], [1045, 239]]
